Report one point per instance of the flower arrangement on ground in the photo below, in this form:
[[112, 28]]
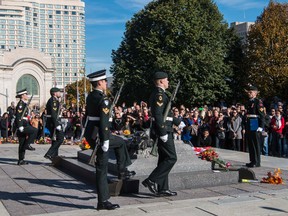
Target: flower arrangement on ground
[[83, 144], [44, 140], [209, 154], [9, 140], [273, 178]]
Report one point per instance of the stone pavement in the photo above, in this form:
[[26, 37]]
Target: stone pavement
[[40, 189]]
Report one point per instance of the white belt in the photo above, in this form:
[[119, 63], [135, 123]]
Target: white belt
[[251, 116], [93, 118], [25, 118], [167, 119], [49, 116]]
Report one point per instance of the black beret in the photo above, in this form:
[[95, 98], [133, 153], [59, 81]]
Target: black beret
[[160, 75], [252, 88], [54, 89]]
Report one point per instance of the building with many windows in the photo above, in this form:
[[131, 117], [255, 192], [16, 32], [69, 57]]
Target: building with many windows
[[53, 27], [242, 29]]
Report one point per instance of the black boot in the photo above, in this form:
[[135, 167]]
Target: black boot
[[22, 162], [107, 205], [30, 148], [126, 174]]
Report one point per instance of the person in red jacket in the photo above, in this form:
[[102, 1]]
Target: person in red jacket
[[277, 125]]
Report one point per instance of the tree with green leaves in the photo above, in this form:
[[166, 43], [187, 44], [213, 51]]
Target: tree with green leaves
[[267, 51], [187, 39]]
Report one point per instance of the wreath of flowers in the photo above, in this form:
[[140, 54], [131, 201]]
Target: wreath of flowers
[[83, 144], [44, 140], [209, 154], [274, 178], [8, 140]]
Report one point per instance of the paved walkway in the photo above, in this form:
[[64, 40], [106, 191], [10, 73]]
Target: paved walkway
[[39, 189]]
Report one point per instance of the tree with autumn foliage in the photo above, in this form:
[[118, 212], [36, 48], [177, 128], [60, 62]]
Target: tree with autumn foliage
[[186, 38], [71, 92], [267, 51]]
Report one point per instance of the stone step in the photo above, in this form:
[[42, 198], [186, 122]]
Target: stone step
[[189, 171], [87, 173]]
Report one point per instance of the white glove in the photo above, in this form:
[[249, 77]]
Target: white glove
[[21, 129], [58, 128], [259, 129], [181, 125], [105, 146], [164, 138]]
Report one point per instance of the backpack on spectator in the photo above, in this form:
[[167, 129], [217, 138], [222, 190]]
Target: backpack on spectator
[[194, 130]]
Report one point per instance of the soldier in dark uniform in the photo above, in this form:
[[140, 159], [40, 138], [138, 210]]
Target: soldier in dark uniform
[[164, 131], [255, 120], [53, 123], [26, 133], [97, 112]]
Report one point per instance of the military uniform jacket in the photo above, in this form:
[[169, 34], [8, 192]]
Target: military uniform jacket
[[98, 105], [52, 107], [158, 102], [19, 112], [255, 107]]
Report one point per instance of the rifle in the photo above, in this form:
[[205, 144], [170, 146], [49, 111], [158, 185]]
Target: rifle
[[92, 159], [83, 129], [54, 132], [115, 101], [23, 113], [154, 149]]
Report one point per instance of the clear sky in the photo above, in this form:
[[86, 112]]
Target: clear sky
[[105, 24]]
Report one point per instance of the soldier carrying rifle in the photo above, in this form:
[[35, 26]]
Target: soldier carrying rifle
[[25, 132], [162, 125], [53, 124], [98, 108]]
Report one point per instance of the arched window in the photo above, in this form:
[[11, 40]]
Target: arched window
[[29, 82]]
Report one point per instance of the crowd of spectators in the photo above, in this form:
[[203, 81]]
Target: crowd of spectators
[[221, 126]]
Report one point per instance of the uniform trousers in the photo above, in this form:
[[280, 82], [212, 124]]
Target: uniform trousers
[[118, 145], [167, 157], [25, 138], [254, 146], [54, 148]]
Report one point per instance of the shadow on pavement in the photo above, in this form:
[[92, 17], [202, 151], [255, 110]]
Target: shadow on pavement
[[35, 197]]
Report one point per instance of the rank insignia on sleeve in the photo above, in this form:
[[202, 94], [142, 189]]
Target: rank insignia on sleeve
[[159, 104], [160, 98], [105, 110], [20, 110], [261, 109]]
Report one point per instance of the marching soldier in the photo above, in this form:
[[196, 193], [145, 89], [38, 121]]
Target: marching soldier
[[97, 112], [254, 125], [164, 131], [53, 124], [26, 133]]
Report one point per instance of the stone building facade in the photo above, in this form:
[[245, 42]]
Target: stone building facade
[[25, 68]]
